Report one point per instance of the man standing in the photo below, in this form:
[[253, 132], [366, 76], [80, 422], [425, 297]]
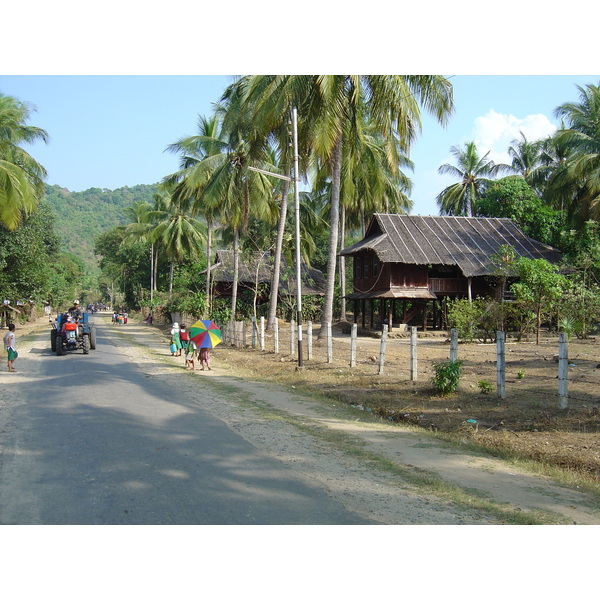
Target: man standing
[[10, 347]]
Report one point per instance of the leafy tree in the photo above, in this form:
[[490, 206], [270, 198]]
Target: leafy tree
[[474, 173], [21, 177], [512, 197], [538, 288]]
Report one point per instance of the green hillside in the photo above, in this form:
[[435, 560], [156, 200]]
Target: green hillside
[[81, 216]]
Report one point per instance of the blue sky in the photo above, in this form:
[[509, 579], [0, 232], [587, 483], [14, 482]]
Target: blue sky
[[111, 131]]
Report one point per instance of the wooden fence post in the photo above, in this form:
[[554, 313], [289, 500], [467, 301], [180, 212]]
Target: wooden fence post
[[563, 370], [276, 336], [500, 365], [382, 349], [453, 345], [292, 338], [309, 339], [353, 345], [262, 333], [254, 331], [329, 344], [413, 353]]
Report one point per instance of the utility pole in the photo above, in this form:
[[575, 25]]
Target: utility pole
[[296, 180]]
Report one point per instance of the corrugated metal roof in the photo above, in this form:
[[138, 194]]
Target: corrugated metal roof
[[467, 242]]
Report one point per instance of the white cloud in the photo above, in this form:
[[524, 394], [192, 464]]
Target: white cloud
[[494, 132]]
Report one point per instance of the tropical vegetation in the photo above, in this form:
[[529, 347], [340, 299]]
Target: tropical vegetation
[[152, 246]]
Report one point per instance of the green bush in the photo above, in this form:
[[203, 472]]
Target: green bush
[[447, 376]]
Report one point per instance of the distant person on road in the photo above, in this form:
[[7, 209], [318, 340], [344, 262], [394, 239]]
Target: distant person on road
[[149, 319], [10, 347]]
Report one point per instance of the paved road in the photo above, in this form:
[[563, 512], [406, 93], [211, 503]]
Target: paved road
[[92, 440]]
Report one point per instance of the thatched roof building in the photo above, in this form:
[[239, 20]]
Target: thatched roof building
[[256, 267]]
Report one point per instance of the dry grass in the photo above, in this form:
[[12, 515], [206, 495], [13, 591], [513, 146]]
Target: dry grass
[[526, 424]]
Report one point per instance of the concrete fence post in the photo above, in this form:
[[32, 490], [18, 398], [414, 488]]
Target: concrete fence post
[[382, 345], [563, 370], [413, 354], [500, 365], [353, 345], [453, 345], [262, 333]]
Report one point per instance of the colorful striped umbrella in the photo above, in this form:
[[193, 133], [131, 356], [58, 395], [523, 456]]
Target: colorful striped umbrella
[[205, 334]]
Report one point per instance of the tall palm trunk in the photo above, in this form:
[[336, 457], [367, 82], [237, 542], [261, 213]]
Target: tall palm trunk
[[171, 273], [343, 262], [277, 258], [236, 271], [336, 169], [208, 265], [151, 276]]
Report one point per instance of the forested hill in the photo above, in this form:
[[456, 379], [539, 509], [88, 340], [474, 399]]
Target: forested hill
[[81, 216]]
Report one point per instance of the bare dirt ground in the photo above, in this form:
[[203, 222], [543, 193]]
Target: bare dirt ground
[[327, 415]]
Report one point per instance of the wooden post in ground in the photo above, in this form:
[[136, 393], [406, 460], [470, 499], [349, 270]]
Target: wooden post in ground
[[563, 370], [244, 329], [453, 345], [329, 344], [276, 336], [500, 365], [309, 339], [353, 345], [382, 345], [262, 333], [413, 353], [254, 331]]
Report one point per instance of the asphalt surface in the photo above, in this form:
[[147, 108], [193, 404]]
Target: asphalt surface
[[93, 440]]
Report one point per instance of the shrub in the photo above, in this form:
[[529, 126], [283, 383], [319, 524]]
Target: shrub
[[447, 376], [485, 387]]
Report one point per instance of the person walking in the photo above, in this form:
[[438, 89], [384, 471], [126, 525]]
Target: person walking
[[204, 358], [184, 338], [175, 340], [10, 347]]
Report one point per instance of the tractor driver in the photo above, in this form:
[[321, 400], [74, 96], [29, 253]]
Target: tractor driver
[[74, 311]]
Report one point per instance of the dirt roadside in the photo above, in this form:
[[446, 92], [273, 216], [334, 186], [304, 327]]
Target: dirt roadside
[[319, 437]]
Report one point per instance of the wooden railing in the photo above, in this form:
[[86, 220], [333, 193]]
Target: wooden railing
[[448, 285]]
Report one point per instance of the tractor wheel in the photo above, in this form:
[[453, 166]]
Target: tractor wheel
[[93, 338], [86, 344], [53, 339], [60, 348]]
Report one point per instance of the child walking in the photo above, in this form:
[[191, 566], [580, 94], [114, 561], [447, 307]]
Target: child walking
[[204, 358], [10, 347], [190, 352]]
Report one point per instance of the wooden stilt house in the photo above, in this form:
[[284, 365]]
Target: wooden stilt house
[[406, 265]]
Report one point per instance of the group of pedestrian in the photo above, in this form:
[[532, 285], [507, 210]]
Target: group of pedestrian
[[120, 318], [182, 344]]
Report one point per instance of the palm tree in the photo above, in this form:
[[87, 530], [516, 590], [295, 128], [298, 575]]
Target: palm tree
[[21, 177], [200, 154], [474, 172], [577, 182], [179, 234], [332, 110]]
